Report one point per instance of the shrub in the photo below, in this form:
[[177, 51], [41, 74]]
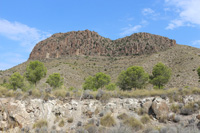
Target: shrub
[[120, 129], [55, 80], [91, 128], [3, 90], [123, 116], [60, 93], [111, 87], [133, 77], [160, 75], [40, 123], [9, 93], [188, 109], [107, 121], [70, 120], [36, 93], [198, 72], [105, 98], [133, 123], [35, 71], [145, 119], [98, 81], [174, 108], [61, 123], [16, 81]]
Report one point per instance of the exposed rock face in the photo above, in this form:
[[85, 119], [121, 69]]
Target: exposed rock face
[[21, 115], [91, 43]]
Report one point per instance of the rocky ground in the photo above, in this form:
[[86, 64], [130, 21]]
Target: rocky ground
[[90, 115]]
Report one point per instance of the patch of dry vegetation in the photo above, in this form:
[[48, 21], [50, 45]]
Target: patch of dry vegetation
[[145, 119], [70, 120], [40, 123], [133, 123], [107, 121]]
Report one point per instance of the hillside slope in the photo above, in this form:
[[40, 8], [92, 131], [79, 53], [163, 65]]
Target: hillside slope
[[183, 60]]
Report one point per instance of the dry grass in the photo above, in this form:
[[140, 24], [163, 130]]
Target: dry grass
[[133, 123], [36, 93], [139, 93], [107, 121], [174, 108], [145, 119], [61, 123], [40, 123], [3, 91], [60, 92], [146, 93], [123, 116]]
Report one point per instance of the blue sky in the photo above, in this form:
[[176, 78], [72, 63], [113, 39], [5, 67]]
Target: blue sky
[[23, 23]]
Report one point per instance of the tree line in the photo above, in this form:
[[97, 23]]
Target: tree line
[[133, 77]]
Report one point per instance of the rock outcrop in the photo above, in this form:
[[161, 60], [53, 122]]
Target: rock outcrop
[[76, 115], [90, 43]]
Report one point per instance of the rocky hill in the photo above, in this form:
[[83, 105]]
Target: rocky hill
[[90, 43], [63, 58]]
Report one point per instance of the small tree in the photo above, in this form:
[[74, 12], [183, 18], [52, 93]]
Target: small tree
[[160, 75], [101, 79], [198, 72], [16, 81], [89, 83], [35, 71], [55, 80], [98, 81], [133, 77]]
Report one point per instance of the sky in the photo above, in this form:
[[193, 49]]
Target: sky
[[23, 23]]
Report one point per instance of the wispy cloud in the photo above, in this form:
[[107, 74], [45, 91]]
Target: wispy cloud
[[187, 13], [130, 29], [148, 11], [27, 36]]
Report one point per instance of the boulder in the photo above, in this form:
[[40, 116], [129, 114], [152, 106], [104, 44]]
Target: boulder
[[176, 118], [160, 108], [198, 125], [146, 106]]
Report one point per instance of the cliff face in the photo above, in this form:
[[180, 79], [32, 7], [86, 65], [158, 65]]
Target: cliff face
[[91, 43]]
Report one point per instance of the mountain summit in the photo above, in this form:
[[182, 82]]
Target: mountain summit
[[90, 43]]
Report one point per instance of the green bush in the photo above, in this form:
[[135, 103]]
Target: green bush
[[133, 77], [55, 80], [198, 72], [35, 71], [110, 87], [16, 81], [160, 75], [98, 81]]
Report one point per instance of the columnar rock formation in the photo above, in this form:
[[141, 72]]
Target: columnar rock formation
[[91, 43]]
